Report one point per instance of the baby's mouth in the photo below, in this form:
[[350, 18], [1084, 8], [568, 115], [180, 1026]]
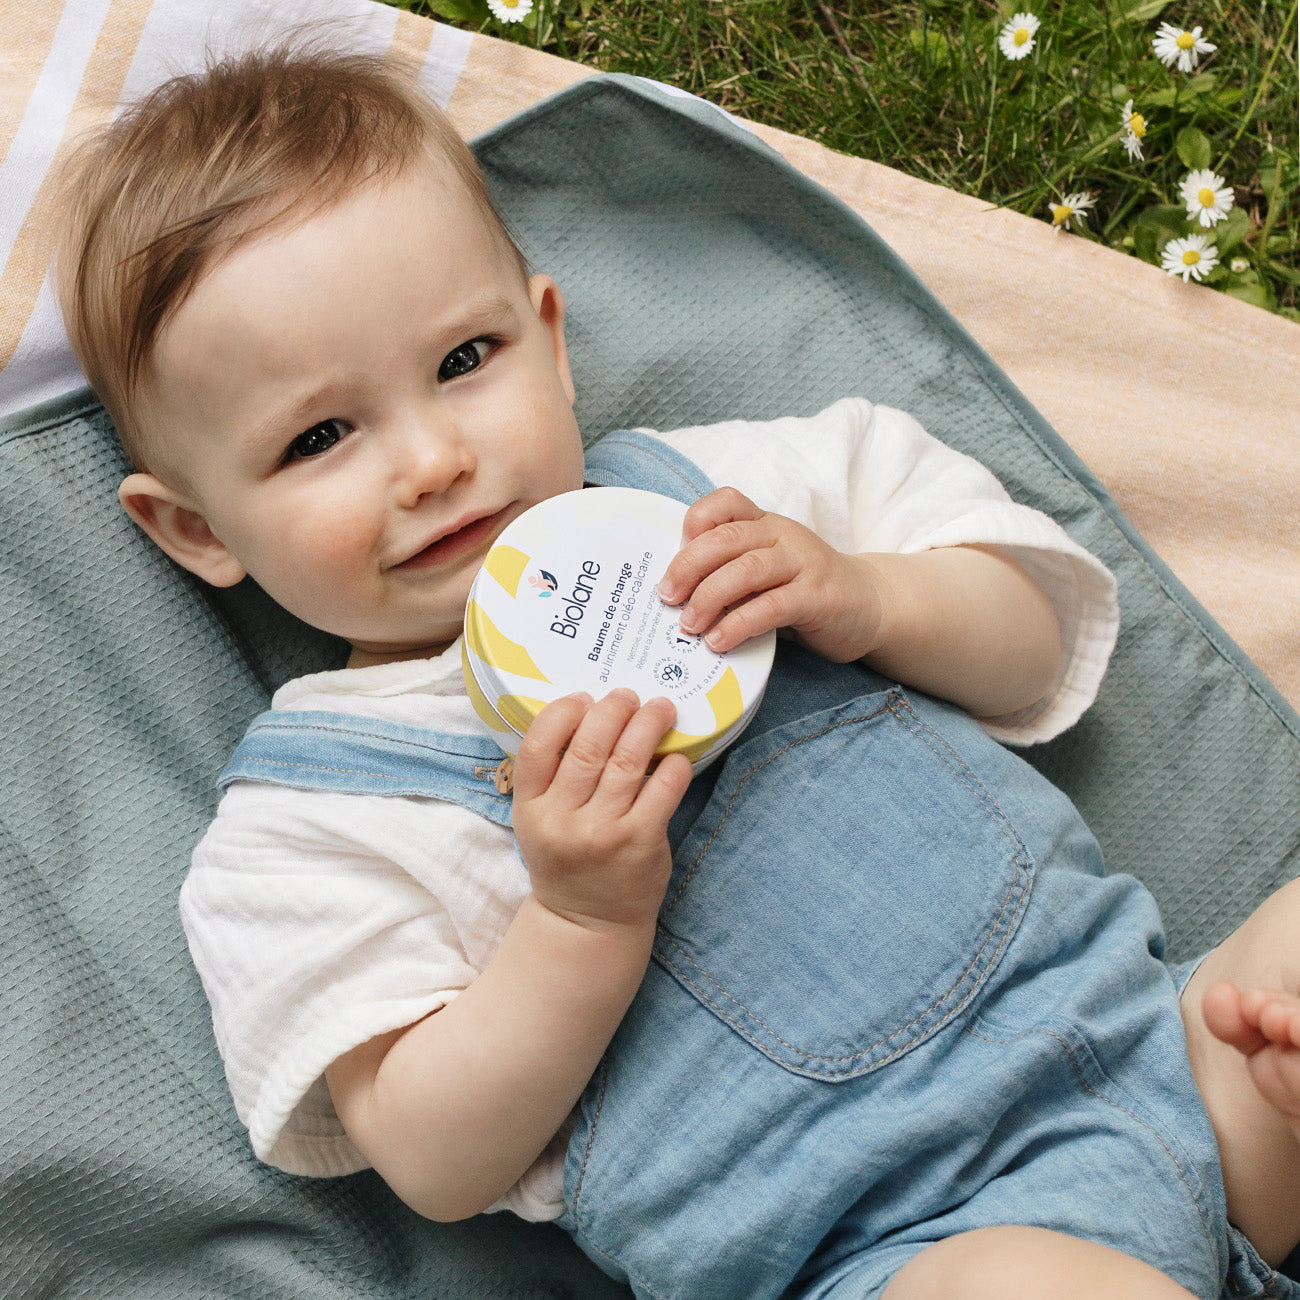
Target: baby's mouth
[[461, 539]]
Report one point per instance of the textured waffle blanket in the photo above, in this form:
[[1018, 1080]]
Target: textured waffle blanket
[[1156, 420]]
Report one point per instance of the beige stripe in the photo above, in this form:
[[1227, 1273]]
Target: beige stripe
[[501, 78], [20, 281], [410, 44], [29, 34]]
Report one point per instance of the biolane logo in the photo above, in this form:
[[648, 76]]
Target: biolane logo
[[543, 583]]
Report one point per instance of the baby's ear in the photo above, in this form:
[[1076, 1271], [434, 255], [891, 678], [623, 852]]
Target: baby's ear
[[179, 529], [548, 303]]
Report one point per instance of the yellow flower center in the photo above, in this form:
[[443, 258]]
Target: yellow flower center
[[1185, 40], [1138, 125], [1205, 196], [1061, 213], [1021, 36], [1191, 257]]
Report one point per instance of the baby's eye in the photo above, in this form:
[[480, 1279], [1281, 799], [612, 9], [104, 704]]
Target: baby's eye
[[319, 438], [460, 361]]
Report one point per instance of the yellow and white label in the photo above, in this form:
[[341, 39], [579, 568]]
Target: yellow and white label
[[567, 600]]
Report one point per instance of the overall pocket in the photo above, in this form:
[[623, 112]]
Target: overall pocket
[[849, 886]]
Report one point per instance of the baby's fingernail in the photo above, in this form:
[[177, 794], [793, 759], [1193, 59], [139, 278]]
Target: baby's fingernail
[[581, 696], [687, 618], [669, 593], [713, 639]]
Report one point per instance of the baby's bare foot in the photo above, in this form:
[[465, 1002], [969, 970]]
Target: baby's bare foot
[[1264, 1026]]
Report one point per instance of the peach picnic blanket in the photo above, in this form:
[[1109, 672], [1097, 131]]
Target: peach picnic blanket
[[1185, 403]]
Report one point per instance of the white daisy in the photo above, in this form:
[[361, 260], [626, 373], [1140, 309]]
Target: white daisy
[[1192, 258], [1206, 197], [1239, 266], [1017, 38], [511, 11], [1071, 209], [1134, 127], [1176, 45]]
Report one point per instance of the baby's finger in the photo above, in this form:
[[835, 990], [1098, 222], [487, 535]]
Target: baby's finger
[[718, 507], [768, 611], [634, 752], [541, 749], [664, 788], [741, 580], [588, 753], [716, 529]]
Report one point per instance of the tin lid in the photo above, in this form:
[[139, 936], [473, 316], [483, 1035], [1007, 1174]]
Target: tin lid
[[567, 601]]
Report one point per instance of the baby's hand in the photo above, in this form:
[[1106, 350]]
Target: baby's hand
[[744, 571], [592, 827]]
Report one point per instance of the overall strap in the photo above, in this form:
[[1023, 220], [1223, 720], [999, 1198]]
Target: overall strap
[[311, 749], [626, 458]]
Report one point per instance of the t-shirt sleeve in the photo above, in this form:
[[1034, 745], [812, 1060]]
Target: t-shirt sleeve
[[315, 923], [870, 478]]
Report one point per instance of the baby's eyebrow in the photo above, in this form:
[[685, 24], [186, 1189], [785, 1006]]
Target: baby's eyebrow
[[290, 419], [492, 307]]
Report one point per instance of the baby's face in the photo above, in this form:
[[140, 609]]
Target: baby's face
[[357, 405]]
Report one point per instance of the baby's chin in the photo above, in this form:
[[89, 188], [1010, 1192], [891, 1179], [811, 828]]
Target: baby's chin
[[369, 656]]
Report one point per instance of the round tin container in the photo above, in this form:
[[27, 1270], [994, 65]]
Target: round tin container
[[567, 601]]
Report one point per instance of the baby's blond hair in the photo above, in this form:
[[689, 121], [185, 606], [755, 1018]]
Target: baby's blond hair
[[207, 160]]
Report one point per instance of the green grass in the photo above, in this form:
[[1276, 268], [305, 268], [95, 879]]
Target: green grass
[[921, 85]]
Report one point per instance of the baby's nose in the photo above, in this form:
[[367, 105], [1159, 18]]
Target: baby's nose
[[432, 460]]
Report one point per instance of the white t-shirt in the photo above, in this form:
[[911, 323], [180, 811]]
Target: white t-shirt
[[318, 920]]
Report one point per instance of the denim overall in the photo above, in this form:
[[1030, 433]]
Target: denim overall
[[892, 997]]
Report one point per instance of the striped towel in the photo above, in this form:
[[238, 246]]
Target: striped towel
[[1184, 402]]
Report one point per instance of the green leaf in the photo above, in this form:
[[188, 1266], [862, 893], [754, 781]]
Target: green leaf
[[1231, 231], [1277, 172], [1195, 88], [460, 11], [1138, 11], [1193, 147], [1146, 243], [1255, 294], [930, 44], [1163, 217]]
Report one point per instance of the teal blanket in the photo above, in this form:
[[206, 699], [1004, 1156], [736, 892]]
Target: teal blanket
[[705, 279]]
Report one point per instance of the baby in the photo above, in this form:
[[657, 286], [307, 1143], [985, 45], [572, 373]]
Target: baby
[[855, 1012]]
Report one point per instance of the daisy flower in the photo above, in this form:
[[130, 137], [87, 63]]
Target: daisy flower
[[511, 11], [1206, 197], [1072, 208], [1134, 126], [1192, 258], [1175, 45], [1017, 38]]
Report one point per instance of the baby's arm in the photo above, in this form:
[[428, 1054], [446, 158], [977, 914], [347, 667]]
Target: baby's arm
[[965, 623], [452, 1110]]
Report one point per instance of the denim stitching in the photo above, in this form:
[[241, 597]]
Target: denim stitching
[[577, 1191], [946, 755], [1065, 1047], [591, 1136], [1007, 932], [740, 785], [364, 735], [651, 454], [359, 771]]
